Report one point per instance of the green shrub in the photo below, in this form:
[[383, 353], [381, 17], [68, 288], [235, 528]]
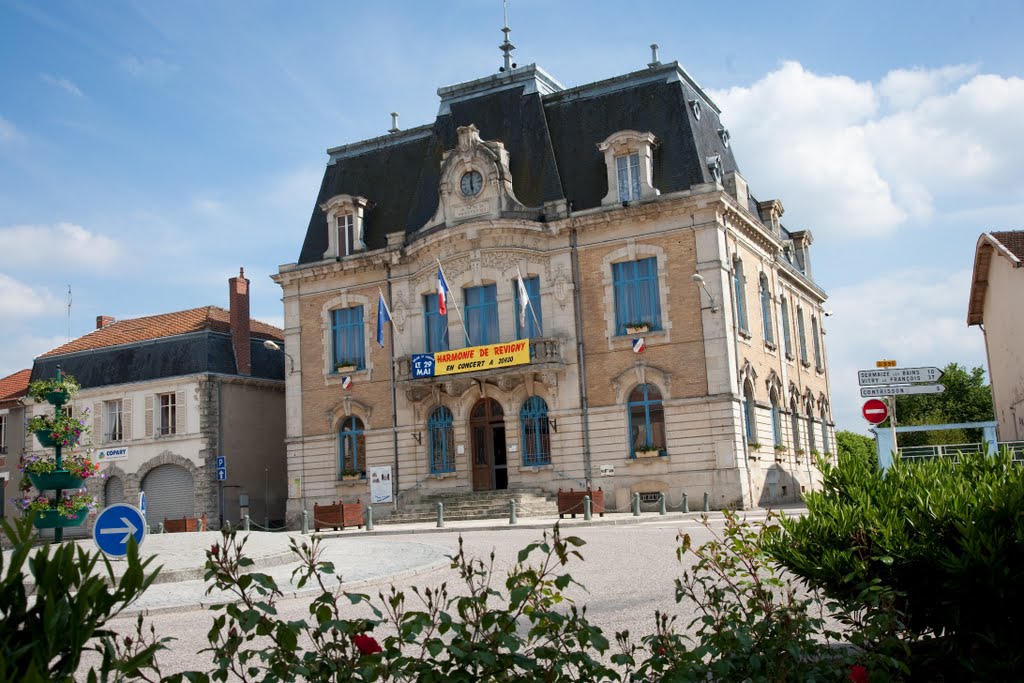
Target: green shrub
[[44, 629], [947, 538]]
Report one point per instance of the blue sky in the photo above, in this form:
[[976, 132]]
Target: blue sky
[[149, 149]]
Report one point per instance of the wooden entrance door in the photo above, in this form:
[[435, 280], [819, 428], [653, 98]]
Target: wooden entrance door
[[486, 421]]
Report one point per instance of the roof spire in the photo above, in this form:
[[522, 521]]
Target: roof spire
[[506, 46]]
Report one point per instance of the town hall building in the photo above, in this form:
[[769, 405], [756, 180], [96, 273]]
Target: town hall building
[[582, 291]]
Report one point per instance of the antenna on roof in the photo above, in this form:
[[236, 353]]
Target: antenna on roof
[[506, 46], [69, 312]]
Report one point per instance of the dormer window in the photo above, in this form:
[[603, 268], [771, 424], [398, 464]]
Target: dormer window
[[346, 240], [345, 221], [628, 157], [695, 108], [724, 134], [627, 167], [715, 168]]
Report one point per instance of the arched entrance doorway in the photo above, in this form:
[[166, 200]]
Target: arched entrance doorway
[[490, 464], [170, 494]]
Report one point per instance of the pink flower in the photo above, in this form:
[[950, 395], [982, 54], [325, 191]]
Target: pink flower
[[858, 674], [367, 645]]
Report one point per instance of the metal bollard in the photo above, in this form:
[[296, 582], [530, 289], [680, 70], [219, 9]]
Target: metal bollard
[[369, 518], [245, 523], [512, 518], [586, 508], [662, 511], [707, 507], [160, 529], [686, 502], [636, 504], [305, 521], [440, 515]]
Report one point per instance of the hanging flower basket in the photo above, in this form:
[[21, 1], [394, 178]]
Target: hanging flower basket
[[53, 391], [52, 519], [61, 430], [58, 398], [58, 479]]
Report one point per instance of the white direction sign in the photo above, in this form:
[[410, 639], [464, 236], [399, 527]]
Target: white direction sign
[[902, 390], [897, 376]]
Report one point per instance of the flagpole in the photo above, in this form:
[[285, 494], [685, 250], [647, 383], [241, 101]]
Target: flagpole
[[469, 340], [529, 303], [394, 395]]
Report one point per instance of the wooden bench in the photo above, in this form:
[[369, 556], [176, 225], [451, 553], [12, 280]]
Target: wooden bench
[[185, 524], [571, 502], [337, 515]]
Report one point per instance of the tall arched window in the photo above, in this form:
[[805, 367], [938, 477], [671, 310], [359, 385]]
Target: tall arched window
[[776, 419], [646, 420], [536, 438], [442, 441], [352, 446], [786, 335], [748, 413], [794, 418], [811, 445], [816, 340], [824, 432], [766, 310], [739, 283], [802, 336]]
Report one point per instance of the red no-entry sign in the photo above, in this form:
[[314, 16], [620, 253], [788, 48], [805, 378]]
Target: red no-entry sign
[[875, 411]]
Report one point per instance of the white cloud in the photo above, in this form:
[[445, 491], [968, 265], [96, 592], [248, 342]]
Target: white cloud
[[8, 132], [19, 300], [858, 160], [152, 68], [72, 246], [917, 317], [63, 83], [18, 350]]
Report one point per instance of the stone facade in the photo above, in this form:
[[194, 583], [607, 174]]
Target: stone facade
[[697, 360]]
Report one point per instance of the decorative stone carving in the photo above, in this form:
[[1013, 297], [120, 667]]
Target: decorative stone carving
[[508, 382]]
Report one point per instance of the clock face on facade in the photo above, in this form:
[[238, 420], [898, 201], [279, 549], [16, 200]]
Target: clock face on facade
[[471, 184]]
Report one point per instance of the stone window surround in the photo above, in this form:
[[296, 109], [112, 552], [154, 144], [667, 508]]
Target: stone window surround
[[336, 206], [622, 143], [344, 300], [631, 252]]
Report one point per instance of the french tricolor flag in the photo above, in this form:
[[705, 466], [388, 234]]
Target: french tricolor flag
[[442, 292]]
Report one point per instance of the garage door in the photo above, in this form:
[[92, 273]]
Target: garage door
[[113, 491], [170, 494]]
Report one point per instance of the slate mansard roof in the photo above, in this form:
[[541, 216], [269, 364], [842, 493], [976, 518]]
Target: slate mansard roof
[[551, 135], [193, 341]]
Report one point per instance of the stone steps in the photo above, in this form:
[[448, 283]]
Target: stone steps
[[481, 505]]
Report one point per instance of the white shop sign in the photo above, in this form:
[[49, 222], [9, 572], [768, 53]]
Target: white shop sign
[[111, 454]]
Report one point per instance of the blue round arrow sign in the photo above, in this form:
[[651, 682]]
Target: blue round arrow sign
[[115, 525]]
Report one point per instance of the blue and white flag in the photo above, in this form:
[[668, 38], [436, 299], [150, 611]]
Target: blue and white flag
[[383, 316]]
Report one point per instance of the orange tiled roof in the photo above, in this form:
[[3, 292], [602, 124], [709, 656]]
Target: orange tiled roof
[[1013, 241], [13, 387], [164, 325]]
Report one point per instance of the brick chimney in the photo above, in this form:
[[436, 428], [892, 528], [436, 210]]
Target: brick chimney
[[104, 320], [238, 295]]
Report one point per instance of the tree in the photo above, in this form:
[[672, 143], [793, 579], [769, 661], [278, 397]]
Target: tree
[[967, 398], [853, 445]]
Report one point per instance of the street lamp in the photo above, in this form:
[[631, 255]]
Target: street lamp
[[273, 346], [699, 279]]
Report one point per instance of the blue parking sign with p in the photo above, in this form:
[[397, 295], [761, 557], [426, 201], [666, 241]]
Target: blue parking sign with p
[[222, 462]]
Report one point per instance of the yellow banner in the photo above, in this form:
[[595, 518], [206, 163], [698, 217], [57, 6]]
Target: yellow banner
[[475, 358]]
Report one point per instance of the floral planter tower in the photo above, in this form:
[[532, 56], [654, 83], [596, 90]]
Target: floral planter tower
[[64, 476]]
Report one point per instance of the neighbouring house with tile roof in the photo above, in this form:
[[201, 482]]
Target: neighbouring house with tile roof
[[167, 395], [674, 341], [13, 389], [997, 288]]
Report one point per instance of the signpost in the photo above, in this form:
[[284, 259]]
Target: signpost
[[875, 411], [115, 525], [902, 390], [898, 376], [142, 503]]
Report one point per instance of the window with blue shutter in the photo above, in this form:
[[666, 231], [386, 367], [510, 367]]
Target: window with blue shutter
[[482, 314], [347, 337], [801, 333], [352, 446], [646, 419], [636, 294], [442, 441], [766, 310], [739, 282], [816, 339], [536, 436], [786, 338], [435, 325]]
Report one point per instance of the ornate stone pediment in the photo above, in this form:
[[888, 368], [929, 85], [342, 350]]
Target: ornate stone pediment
[[475, 181]]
